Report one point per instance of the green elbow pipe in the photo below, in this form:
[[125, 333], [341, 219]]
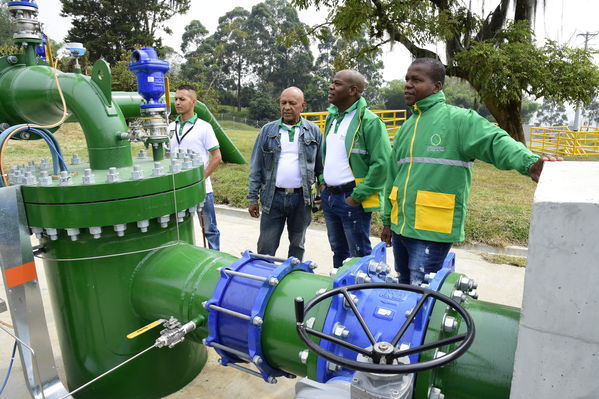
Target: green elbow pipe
[[129, 103], [30, 95]]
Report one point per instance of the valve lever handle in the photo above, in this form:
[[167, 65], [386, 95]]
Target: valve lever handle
[[299, 309], [145, 329]]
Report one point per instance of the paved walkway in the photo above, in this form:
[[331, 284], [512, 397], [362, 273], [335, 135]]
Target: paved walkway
[[497, 283]]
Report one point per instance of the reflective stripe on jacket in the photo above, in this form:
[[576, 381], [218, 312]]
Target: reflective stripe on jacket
[[430, 170]]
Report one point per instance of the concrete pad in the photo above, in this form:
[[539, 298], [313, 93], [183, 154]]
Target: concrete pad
[[239, 232]]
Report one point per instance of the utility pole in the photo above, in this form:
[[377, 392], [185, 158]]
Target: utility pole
[[587, 37]]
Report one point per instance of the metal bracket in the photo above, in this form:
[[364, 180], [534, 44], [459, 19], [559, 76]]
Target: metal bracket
[[25, 299]]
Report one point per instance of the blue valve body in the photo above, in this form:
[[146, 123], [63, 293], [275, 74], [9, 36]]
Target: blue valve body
[[149, 71]]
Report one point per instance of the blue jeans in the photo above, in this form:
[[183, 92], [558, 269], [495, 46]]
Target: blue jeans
[[414, 258], [290, 208], [348, 227], [210, 227]]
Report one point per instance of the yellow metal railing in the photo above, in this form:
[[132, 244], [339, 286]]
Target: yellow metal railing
[[393, 118], [561, 141]]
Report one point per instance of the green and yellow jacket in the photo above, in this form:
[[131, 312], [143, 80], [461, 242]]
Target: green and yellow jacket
[[430, 170], [368, 149]]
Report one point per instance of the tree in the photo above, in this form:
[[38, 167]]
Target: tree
[[393, 96], [552, 113], [591, 113], [7, 26], [498, 57], [338, 53], [234, 53], [107, 28], [280, 52], [194, 35]]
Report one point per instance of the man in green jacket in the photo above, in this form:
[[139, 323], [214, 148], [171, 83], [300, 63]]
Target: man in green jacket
[[355, 152], [430, 172]]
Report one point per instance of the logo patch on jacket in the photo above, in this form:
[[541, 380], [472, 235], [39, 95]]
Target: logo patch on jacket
[[436, 142]]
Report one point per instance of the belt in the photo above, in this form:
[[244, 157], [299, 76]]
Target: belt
[[289, 190], [344, 188]]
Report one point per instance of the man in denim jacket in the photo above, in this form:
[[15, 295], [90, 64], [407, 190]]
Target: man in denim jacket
[[285, 160]]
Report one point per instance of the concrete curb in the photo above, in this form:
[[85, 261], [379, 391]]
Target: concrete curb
[[510, 250]]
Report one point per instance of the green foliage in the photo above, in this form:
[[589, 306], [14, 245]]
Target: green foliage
[[264, 107], [498, 57], [393, 96], [552, 113], [193, 35], [7, 26], [354, 52], [107, 28], [591, 113], [8, 50], [122, 78]]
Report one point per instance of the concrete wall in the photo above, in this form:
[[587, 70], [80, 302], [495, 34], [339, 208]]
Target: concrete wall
[[558, 343]]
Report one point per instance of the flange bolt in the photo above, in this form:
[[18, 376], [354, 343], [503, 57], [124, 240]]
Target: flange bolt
[[113, 175], [88, 176], [96, 232], [449, 323]]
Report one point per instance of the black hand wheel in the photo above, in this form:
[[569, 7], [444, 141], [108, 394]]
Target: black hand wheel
[[384, 354]]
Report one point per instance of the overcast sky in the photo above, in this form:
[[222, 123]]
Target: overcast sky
[[560, 20]]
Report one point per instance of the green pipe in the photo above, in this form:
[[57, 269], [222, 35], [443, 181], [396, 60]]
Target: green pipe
[[91, 300], [30, 95], [485, 370], [174, 281], [129, 103]]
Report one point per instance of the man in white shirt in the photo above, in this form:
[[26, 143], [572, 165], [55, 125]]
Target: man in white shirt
[[355, 151], [285, 161], [190, 132]]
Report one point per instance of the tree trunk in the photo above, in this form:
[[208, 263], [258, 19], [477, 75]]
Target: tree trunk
[[239, 87], [508, 117]]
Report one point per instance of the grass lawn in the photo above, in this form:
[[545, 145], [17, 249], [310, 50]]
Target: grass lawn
[[499, 209]]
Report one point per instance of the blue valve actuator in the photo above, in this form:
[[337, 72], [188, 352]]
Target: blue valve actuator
[[23, 3], [149, 71]]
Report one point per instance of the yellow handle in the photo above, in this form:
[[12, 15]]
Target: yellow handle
[[167, 93], [145, 329]]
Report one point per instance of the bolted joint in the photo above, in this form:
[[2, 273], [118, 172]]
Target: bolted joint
[[73, 233], [458, 296], [257, 360], [163, 220], [332, 367], [158, 170], [272, 380], [88, 176], [429, 276], [64, 179], [75, 160], [273, 281], [333, 272], [362, 278], [142, 225], [137, 173], [466, 284], [96, 232], [303, 356], [257, 321], [312, 265], [354, 298], [113, 175], [52, 233], [449, 323], [340, 331], [435, 393], [473, 294], [37, 231], [120, 229]]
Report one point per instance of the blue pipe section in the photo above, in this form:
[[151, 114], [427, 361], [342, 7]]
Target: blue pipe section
[[248, 297]]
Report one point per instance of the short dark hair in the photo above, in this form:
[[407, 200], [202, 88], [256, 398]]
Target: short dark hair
[[436, 68], [186, 87]]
